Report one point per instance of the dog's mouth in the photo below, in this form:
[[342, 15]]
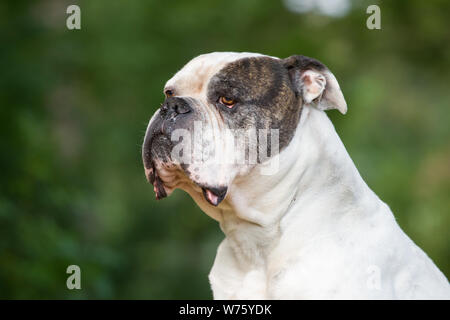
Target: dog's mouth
[[154, 158], [214, 196], [167, 173], [156, 181], [166, 176]]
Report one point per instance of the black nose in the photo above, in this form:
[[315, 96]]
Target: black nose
[[174, 106]]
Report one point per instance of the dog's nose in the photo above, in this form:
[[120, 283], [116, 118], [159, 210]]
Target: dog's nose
[[175, 106]]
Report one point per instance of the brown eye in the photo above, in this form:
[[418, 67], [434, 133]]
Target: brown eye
[[168, 93], [227, 101]]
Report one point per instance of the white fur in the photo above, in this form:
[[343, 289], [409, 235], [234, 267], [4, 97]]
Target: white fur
[[313, 230], [316, 231]]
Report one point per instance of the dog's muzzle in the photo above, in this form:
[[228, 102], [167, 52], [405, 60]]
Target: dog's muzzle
[[174, 113]]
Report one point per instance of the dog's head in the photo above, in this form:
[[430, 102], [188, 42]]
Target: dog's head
[[225, 114]]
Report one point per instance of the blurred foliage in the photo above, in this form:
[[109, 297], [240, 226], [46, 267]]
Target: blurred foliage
[[74, 106]]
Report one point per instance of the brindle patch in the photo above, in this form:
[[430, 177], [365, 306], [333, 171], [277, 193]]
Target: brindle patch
[[264, 95]]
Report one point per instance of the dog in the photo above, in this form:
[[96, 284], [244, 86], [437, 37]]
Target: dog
[[310, 228]]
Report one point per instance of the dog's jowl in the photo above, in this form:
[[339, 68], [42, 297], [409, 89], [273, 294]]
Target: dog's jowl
[[310, 228]]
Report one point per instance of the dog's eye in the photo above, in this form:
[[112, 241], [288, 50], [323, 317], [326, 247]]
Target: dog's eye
[[168, 93], [227, 102]]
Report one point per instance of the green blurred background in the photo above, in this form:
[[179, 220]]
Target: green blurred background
[[75, 105]]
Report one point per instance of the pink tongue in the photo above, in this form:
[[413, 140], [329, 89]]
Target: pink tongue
[[212, 197]]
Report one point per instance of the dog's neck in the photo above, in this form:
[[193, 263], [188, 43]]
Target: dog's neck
[[316, 176]]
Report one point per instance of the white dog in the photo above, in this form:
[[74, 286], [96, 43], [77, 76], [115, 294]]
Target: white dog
[[312, 229]]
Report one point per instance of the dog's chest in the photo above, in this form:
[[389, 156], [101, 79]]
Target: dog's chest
[[240, 269], [232, 278]]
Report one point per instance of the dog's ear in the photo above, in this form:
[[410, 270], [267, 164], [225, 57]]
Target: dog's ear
[[315, 83]]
